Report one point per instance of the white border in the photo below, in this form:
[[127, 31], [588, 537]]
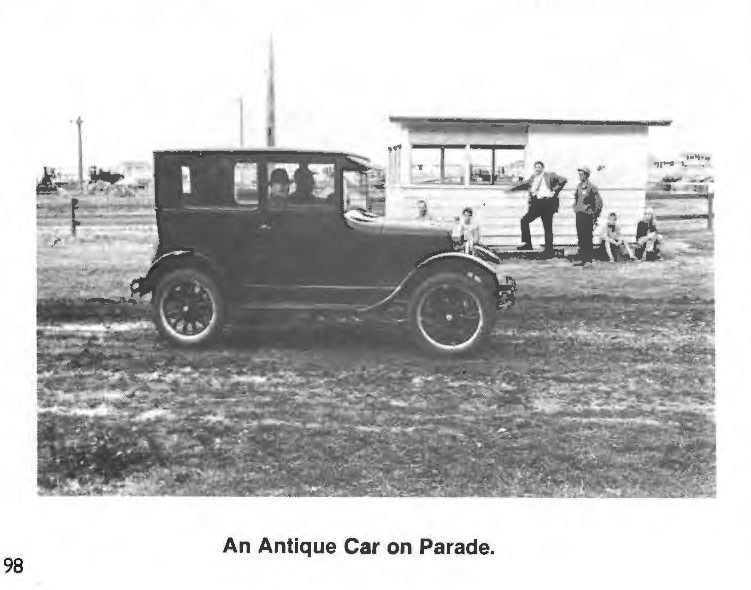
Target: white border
[[172, 542]]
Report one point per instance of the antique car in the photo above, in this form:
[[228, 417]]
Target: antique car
[[272, 230]]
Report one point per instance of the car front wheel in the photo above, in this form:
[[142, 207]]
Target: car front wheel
[[188, 307], [450, 313]]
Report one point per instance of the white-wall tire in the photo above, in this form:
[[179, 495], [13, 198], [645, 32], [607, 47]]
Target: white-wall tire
[[451, 313], [188, 307]]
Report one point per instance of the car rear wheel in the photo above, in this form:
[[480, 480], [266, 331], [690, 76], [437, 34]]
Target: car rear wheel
[[450, 313], [188, 307]]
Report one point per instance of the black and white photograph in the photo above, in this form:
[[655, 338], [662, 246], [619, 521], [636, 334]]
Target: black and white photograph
[[515, 304], [460, 253]]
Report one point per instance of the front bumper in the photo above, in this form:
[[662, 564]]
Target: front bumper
[[139, 287], [506, 295]]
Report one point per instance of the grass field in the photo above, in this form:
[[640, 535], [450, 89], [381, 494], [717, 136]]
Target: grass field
[[600, 382]]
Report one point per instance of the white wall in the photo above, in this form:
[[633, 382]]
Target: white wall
[[465, 133], [620, 152], [499, 211]]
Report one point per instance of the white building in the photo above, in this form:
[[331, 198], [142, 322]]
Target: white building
[[452, 163], [137, 173]]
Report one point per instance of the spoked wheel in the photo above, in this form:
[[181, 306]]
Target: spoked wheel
[[188, 307], [450, 313]]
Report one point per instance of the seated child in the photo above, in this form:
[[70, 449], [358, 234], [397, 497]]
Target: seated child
[[612, 241], [467, 233], [647, 238]]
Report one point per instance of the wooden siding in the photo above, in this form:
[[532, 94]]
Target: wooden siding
[[617, 155], [498, 211]]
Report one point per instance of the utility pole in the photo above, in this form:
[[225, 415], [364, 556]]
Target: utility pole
[[242, 126], [270, 99], [79, 122]]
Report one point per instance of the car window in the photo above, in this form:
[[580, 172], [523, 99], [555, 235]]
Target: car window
[[246, 183], [300, 183], [206, 181], [355, 190], [185, 171]]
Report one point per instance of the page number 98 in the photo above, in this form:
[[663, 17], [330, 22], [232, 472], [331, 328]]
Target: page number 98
[[13, 565]]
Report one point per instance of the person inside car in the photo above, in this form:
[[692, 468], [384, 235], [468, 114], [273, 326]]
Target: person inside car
[[278, 185], [304, 183]]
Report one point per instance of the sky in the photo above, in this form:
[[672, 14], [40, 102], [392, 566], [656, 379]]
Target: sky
[[157, 75]]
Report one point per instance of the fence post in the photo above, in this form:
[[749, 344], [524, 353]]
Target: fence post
[[74, 223], [710, 210]]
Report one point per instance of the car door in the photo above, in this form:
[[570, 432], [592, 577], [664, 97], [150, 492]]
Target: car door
[[209, 203], [305, 253]]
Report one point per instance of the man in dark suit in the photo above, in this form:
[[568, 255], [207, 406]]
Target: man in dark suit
[[543, 190], [587, 208]]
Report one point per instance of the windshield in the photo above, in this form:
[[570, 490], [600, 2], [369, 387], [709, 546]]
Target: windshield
[[363, 190]]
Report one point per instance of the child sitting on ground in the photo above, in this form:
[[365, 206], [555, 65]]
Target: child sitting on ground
[[647, 238], [613, 242]]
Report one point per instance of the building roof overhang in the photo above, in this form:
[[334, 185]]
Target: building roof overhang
[[427, 120]]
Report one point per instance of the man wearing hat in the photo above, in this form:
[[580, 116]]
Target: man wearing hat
[[543, 190], [587, 208]]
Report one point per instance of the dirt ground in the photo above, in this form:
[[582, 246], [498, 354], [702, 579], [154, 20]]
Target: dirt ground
[[600, 382]]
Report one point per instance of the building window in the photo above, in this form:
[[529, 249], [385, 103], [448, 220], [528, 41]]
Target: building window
[[426, 165], [185, 171], [454, 164], [499, 165], [438, 164], [246, 183]]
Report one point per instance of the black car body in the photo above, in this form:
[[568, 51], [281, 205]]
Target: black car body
[[271, 229]]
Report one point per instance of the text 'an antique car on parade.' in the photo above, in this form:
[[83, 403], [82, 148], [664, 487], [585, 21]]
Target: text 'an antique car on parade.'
[[248, 231]]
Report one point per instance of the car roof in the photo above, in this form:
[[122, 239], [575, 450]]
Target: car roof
[[357, 161], [264, 150]]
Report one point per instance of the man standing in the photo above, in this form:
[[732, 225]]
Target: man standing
[[587, 208], [543, 190]]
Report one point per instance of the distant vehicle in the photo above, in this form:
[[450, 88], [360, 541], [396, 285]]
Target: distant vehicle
[[243, 231], [47, 185], [98, 174]]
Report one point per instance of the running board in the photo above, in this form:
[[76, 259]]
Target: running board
[[291, 306]]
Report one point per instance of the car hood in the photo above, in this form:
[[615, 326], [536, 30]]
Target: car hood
[[361, 220], [436, 234]]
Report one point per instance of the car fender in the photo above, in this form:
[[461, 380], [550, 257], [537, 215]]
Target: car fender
[[462, 257], [143, 285], [486, 254], [436, 259]]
